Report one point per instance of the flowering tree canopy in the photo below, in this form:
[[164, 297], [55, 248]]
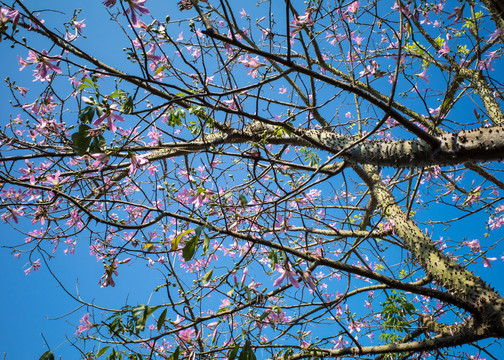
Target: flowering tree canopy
[[298, 177]]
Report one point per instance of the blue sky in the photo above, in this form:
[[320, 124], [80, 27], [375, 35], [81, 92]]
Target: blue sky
[[30, 302]]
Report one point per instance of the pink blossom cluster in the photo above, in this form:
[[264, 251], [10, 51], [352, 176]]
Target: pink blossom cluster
[[44, 67]]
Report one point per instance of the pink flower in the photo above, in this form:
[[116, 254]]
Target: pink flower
[[301, 22], [200, 197], [390, 225], [286, 273], [186, 336], [444, 50], [486, 261], [54, 179], [109, 271], [308, 279], [243, 13], [110, 116], [22, 90], [136, 5], [353, 7], [79, 25], [496, 222], [435, 112], [7, 14], [457, 13], [474, 245], [99, 160], [339, 343], [283, 90], [231, 104], [85, 324], [244, 276], [423, 76], [136, 161], [43, 65], [355, 326], [487, 63], [35, 267], [357, 39], [109, 3], [496, 34], [253, 64]]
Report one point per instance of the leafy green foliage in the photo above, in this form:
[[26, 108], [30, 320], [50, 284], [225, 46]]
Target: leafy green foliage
[[127, 101], [205, 119], [87, 83], [207, 276], [48, 355], [310, 156], [87, 114], [175, 355], [81, 141], [131, 320], [161, 319], [395, 312], [174, 118], [102, 351], [243, 200], [176, 240], [246, 353], [120, 355], [190, 247]]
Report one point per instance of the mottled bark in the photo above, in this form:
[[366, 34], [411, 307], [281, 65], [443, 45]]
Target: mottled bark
[[484, 303], [496, 9], [486, 95]]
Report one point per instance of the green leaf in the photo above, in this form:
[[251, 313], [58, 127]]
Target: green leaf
[[264, 315], [83, 86], [159, 69], [247, 353], [97, 145], [161, 319], [86, 84], [206, 243], [243, 200], [207, 276], [88, 81], [273, 258], [249, 295], [138, 310], [127, 106], [119, 93], [232, 354], [176, 240], [147, 247], [48, 355], [144, 315], [190, 248], [86, 115], [226, 197], [81, 140], [175, 354], [102, 351]]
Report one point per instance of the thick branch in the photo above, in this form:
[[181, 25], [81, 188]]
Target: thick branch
[[471, 291], [484, 144]]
